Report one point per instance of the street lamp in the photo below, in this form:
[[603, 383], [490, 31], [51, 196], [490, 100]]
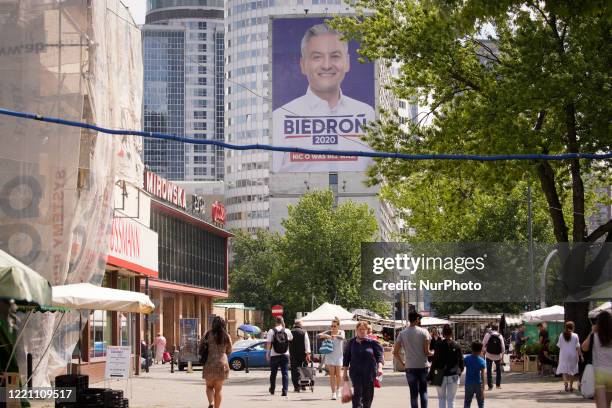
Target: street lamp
[[543, 278]]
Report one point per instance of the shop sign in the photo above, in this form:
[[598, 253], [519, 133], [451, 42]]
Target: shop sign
[[133, 246], [117, 362], [218, 213], [164, 189]]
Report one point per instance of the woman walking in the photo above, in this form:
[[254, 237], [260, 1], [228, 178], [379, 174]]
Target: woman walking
[[447, 357], [333, 360], [216, 368], [569, 354], [363, 360], [600, 341]]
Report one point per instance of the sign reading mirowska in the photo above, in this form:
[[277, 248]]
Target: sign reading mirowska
[[164, 189]]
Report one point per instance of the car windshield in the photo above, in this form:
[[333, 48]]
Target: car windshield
[[242, 344]]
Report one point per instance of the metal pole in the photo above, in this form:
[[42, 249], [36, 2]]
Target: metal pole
[[530, 233], [147, 328], [29, 369], [543, 278]]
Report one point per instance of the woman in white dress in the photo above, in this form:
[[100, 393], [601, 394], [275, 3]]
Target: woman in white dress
[[569, 354], [333, 360]]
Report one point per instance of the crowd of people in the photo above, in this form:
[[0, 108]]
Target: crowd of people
[[355, 365]]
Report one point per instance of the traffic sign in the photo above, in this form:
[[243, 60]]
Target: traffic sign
[[277, 310]]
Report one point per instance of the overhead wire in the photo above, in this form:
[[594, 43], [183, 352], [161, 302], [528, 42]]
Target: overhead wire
[[257, 146]]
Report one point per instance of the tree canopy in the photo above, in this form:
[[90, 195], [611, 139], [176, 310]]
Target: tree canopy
[[319, 255], [502, 77]]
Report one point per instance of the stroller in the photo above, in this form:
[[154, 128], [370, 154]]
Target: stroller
[[307, 375]]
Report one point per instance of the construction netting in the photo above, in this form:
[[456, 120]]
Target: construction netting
[[79, 60]]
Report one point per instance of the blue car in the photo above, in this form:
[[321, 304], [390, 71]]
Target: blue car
[[256, 354]]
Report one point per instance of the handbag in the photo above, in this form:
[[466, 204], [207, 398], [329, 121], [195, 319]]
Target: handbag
[[327, 347], [437, 376], [204, 350]]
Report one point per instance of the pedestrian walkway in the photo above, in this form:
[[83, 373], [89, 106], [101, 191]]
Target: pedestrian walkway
[[159, 388]]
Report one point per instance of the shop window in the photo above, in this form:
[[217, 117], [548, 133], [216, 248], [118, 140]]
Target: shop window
[[100, 332]]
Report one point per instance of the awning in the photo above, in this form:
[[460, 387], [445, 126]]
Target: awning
[[321, 318], [548, 314], [85, 296], [22, 284], [606, 306]]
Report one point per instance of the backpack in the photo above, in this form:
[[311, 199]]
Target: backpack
[[280, 341], [494, 344]]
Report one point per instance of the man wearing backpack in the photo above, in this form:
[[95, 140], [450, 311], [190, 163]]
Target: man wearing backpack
[[494, 349], [278, 354]]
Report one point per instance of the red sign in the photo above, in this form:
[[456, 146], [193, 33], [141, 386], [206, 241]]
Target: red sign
[[162, 188], [218, 213], [277, 310]]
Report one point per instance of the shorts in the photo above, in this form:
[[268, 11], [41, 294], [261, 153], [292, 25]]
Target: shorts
[[603, 379], [333, 359]]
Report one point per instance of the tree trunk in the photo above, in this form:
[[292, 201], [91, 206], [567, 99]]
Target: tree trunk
[[578, 313]]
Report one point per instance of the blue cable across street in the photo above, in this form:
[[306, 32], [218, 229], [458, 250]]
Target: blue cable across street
[[373, 154]]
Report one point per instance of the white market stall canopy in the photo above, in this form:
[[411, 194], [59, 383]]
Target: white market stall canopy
[[425, 321], [548, 314], [434, 321], [606, 306], [320, 319], [85, 296]]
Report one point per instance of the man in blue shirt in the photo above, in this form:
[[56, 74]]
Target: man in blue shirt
[[475, 376]]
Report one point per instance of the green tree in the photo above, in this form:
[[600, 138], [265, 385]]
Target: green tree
[[538, 83], [255, 260], [320, 253]]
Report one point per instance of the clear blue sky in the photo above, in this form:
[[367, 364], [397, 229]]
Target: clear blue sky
[[138, 8]]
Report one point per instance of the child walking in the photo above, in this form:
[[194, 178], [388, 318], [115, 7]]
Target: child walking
[[475, 367]]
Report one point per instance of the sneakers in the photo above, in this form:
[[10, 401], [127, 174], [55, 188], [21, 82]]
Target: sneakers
[[334, 395]]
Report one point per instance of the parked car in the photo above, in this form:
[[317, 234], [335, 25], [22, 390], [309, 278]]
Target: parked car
[[255, 353], [242, 344]]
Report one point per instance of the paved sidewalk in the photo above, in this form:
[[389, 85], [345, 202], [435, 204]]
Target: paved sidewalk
[[160, 388]]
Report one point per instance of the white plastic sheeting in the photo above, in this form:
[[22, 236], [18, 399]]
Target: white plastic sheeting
[[85, 296], [79, 60]]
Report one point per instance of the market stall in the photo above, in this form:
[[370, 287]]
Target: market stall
[[471, 325], [606, 306], [20, 288]]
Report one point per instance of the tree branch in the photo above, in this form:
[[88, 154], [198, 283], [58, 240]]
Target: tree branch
[[600, 232], [486, 48]]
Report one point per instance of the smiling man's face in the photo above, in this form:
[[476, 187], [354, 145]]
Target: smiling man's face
[[325, 63]]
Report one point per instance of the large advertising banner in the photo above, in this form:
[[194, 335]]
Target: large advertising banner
[[322, 97]]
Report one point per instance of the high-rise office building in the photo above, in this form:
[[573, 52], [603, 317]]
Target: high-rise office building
[[255, 196], [184, 91]]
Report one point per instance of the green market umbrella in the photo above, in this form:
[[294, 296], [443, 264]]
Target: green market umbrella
[[26, 288], [20, 283]]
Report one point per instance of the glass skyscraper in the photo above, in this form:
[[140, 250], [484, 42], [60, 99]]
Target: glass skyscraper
[[183, 47]]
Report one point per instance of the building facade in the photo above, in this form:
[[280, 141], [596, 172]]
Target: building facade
[[255, 197], [184, 92]]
